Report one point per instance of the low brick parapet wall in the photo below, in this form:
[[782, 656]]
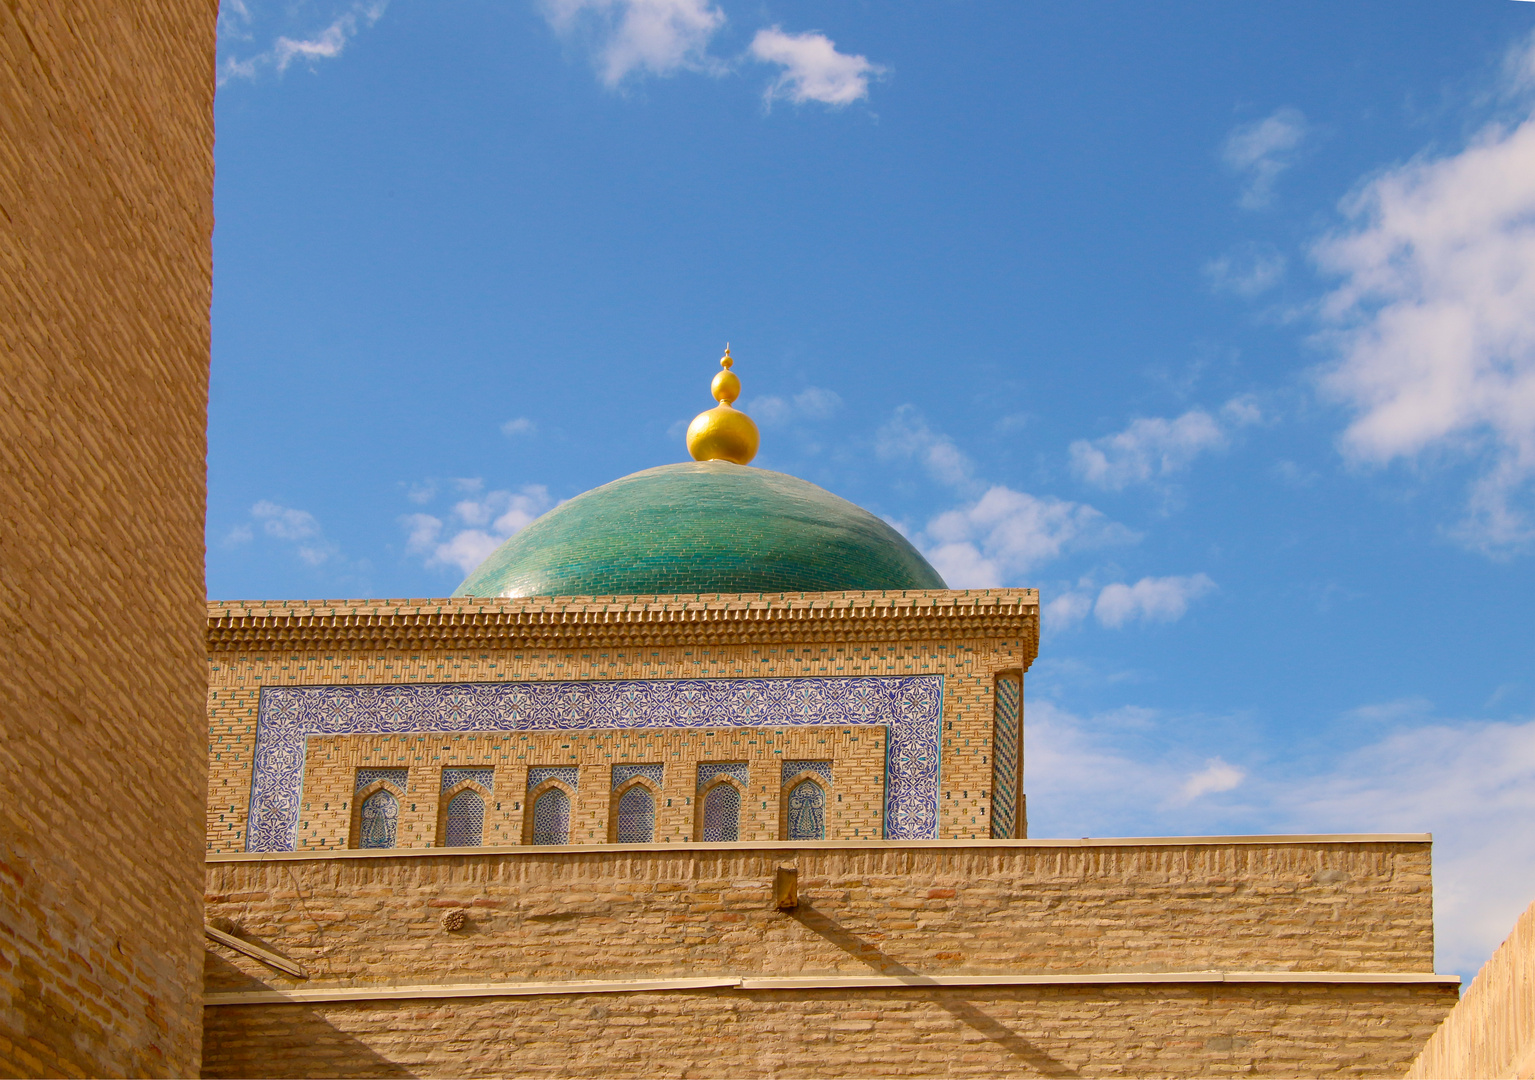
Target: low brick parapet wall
[[1491, 1032], [658, 911], [1305, 955]]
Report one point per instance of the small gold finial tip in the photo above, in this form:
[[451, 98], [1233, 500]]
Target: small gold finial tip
[[723, 433]]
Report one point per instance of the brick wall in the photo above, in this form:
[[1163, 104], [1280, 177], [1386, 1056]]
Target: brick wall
[[106, 179], [1155, 1031], [1491, 1032], [991, 906], [366, 921]]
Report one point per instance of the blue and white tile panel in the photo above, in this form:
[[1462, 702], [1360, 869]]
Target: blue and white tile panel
[[622, 774], [737, 770], [397, 777], [909, 707], [569, 775], [453, 775]]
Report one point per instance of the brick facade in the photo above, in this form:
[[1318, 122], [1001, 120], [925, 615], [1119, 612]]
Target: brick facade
[[1139, 914], [856, 756], [1157, 1030], [106, 183], [967, 637], [1491, 1031]]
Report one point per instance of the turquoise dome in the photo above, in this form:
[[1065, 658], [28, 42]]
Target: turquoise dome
[[702, 527]]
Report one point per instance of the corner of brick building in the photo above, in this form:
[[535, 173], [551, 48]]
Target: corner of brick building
[[106, 182]]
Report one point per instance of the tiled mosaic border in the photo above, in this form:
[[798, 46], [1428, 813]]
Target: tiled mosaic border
[[1004, 774], [910, 707]]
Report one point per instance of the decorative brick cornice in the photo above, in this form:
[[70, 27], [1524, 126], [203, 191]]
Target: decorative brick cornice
[[586, 621]]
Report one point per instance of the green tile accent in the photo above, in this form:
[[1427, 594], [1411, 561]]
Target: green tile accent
[[702, 527]]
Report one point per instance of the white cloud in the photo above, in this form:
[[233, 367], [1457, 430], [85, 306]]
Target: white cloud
[[1434, 321], [1151, 599], [907, 436], [325, 44], [999, 533], [1154, 448], [657, 37], [490, 519], [811, 403], [1260, 151], [1005, 534], [1215, 777], [813, 69], [1066, 610], [1248, 271], [422, 493], [519, 426], [297, 528]]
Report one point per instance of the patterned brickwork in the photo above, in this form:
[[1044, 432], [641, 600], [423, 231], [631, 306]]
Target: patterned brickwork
[[853, 813], [654, 912], [965, 637], [106, 183], [1155, 1031]]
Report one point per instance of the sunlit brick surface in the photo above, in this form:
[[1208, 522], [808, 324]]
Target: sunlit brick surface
[[967, 637], [1156, 1031], [106, 215], [654, 912]]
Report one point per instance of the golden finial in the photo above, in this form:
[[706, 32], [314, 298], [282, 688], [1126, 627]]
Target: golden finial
[[723, 433]]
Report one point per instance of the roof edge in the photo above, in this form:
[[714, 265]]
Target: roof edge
[[720, 618]]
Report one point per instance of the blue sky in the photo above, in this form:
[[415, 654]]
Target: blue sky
[[1214, 322]]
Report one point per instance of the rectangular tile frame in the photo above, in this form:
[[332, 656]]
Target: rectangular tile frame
[[911, 707]]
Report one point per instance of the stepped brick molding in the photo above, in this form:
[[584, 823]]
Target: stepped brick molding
[[578, 621]]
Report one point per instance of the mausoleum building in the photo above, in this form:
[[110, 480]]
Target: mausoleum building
[[706, 772]]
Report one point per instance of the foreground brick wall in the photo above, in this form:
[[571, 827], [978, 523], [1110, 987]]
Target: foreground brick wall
[[106, 179], [987, 906], [1491, 1032], [1157, 1031]]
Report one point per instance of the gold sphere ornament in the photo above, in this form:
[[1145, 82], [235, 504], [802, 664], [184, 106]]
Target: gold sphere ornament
[[723, 433]]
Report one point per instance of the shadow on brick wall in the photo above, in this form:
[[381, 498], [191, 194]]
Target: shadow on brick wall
[[963, 1011], [285, 1040]]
